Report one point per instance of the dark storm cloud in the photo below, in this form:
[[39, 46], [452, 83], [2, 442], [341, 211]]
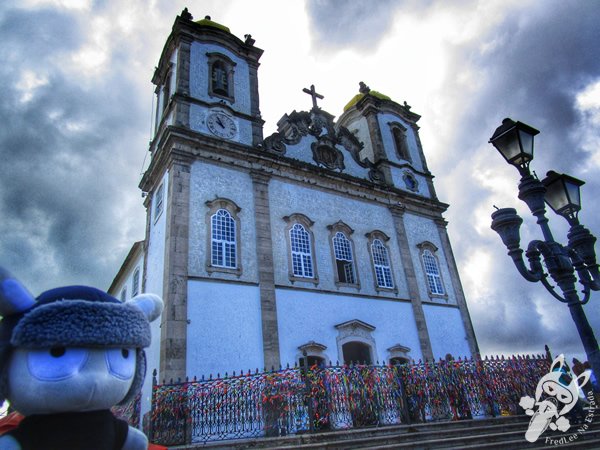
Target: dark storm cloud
[[529, 68], [339, 23], [65, 145]]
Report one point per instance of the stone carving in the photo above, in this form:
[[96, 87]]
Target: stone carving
[[326, 151]]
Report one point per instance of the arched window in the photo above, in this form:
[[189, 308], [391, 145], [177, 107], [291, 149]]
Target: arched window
[[223, 236], [343, 254], [301, 252], [400, 141], [301, 248], [135, 289], [220, 83], [220, 76], [380, 258], [124, 294], [431, 268], [224, 245], [343, 258], [356, 352], [381, 263]]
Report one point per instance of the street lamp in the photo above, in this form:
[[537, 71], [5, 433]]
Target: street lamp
[[565, 265]]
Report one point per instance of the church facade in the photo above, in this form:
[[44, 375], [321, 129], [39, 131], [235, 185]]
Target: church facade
[[325, 238]]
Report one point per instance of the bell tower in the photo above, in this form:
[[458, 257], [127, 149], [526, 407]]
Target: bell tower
[[207, 82]]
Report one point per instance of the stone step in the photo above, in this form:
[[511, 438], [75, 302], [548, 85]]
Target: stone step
[[492, 433]]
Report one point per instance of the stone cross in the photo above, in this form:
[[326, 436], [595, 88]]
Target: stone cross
[[313, 94]]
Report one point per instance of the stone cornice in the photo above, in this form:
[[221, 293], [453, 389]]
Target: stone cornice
[[189, 145]]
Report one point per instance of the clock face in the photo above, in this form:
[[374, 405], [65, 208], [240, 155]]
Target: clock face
[[221, 125]]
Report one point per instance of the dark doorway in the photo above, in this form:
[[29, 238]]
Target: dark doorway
[[357, 353], [313, 361]]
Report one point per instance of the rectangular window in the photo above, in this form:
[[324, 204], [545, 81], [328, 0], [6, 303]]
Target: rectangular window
[[136, 283], [158, 201]]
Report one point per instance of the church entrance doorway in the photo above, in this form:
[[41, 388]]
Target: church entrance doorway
[[356, 352]]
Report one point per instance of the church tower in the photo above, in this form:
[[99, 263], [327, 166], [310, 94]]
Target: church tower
[[325, 239]]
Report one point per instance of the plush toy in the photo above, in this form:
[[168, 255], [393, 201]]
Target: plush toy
[[66, 358]]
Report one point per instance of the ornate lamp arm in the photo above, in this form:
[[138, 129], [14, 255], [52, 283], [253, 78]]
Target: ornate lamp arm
[[506, 223]]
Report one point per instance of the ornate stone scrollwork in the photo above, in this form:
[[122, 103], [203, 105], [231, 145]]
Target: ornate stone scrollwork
[[275, 144], [325, 154]]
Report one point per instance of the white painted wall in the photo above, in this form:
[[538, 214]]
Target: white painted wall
[[327, 209], [305, 316], [446, 331], [224, 333], [154, 285]]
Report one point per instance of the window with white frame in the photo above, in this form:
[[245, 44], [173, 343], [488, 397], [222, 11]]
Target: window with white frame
[[381, 264], [223, 237], [344, 260], [223, 240], [432, 272], [159, 201], [135, 289], [301, 249]]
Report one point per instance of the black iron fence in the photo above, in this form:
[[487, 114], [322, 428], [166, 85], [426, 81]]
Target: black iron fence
[[295, 400]]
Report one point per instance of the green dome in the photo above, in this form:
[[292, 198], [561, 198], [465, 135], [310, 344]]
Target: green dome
[[209, 23], [359, 96]]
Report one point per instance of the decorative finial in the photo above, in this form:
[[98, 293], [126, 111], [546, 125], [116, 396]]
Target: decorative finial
[[363, 88], [407, 106], [249, 39], [185, 14], [207, 17]]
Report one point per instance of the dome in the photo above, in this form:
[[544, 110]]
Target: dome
[[207, 22], [359, 96]]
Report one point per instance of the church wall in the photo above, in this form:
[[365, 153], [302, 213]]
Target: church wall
[[326, 209], [303, 152], [388, 140], [360, 129], [199, 76], [154, 285], [209, 182], [446, 331], [224, 332], [198, 115], [420, 229], [305, 316]]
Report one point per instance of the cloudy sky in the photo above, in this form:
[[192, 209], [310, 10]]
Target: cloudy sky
[[76, 101]]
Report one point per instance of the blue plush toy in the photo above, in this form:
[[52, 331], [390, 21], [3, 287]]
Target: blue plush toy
[[66, 358]]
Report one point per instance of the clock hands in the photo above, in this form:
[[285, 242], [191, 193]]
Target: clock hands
[[219, 122]]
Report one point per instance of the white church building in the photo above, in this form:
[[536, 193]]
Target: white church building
[[326, 237]]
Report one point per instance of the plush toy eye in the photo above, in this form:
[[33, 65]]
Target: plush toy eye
[[121, 362], [57, 352], [56, 363]]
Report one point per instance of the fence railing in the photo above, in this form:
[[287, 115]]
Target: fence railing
[[295, 400]]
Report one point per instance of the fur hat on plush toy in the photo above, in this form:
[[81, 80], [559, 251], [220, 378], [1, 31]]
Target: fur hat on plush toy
[[74, 316]]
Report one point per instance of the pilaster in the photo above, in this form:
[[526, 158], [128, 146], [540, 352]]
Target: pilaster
[[257, 129], [173, 345], [266, 277], [182, 85], [411, 281], [458, 290]]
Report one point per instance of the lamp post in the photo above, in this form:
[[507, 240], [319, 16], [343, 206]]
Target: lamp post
[[564, 265]]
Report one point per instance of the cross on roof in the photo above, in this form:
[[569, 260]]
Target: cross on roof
[[313, 94]]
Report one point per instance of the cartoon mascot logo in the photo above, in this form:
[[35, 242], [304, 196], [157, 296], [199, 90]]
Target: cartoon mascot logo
[[556, 394]]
